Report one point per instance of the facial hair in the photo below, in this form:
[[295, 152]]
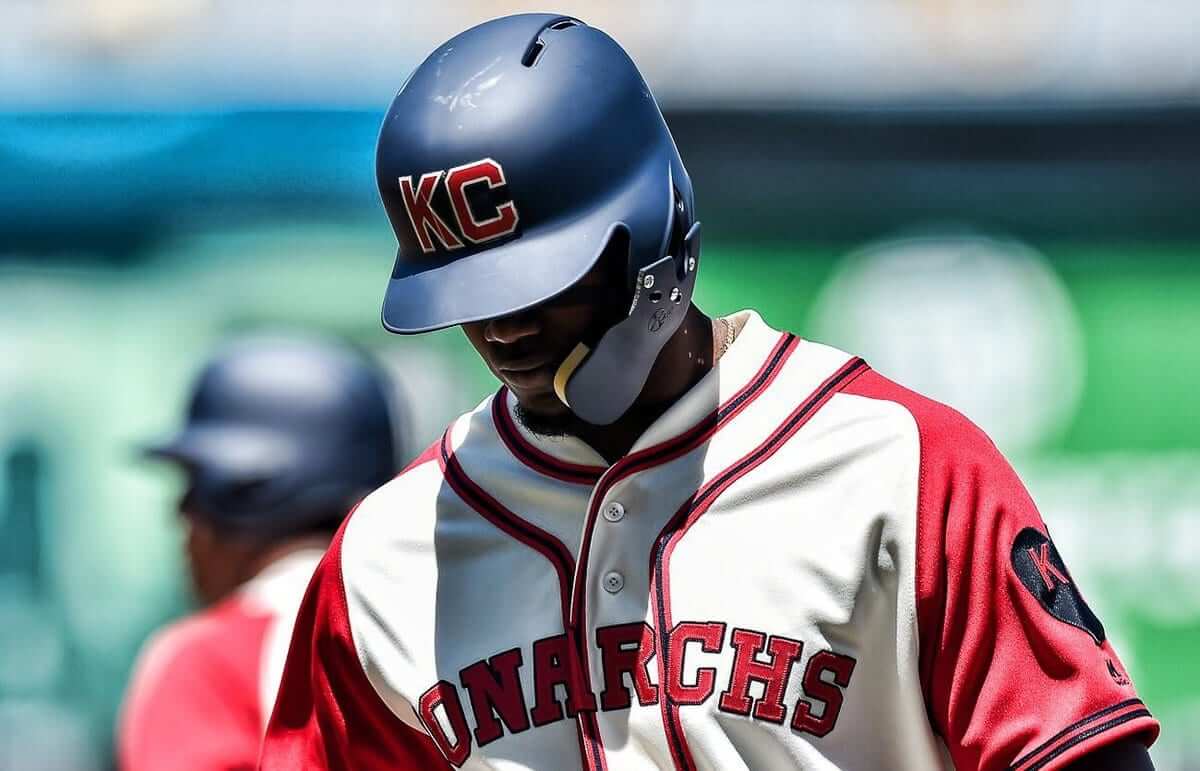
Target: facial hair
[[548, 426]]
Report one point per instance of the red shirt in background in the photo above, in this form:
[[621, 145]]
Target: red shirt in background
[[203, 688]]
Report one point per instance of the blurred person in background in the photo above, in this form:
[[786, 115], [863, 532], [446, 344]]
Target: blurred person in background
[[284, 435], [669, 540]]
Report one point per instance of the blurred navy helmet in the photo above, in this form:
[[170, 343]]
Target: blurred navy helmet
[[509, 160], [284, 433]]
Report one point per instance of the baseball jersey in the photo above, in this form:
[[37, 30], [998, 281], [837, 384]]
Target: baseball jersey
[[203, 688], [800, 564]]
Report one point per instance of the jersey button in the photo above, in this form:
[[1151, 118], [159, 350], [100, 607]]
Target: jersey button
[[613, 582], [614, 512]]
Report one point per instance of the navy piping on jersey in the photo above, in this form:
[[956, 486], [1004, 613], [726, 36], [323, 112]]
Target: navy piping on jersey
[[591, 748], [1080, 725], [691, 511], [546, 544], [663, 453], [532, 456], [680, 445]]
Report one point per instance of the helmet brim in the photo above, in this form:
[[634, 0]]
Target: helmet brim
[[530, 269], [233, 450]]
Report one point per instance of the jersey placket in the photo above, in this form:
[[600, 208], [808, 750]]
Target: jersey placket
[[611, 583], [610, 575], [609, 556]]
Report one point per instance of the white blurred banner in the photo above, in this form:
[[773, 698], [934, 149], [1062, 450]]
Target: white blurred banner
[[186, 53]]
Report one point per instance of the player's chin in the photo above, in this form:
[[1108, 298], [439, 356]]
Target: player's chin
[[542, 413], [540, 403]]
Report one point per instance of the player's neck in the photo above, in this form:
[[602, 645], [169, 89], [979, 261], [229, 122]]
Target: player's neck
[[686, 358]]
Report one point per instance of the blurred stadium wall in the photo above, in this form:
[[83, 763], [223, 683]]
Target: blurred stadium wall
[[993, 200]]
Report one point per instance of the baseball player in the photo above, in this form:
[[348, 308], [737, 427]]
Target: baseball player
[[668, 540], [283, 436]]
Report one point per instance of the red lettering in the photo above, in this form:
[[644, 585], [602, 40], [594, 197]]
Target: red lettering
[[445, 695], [495, 689], [425, 221], [554, 664], [710, 635], [626, 649], [773, 674], [1046, 568], [484, 172], [828, 692]]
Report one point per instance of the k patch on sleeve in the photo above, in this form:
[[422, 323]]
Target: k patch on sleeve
[[1041, 569], [1016, 670]]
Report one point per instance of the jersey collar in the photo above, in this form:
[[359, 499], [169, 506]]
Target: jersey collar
[[572, 460]]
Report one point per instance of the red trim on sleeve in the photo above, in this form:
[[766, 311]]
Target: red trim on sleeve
[[1119, 721], [1005, 680], [327, 714]]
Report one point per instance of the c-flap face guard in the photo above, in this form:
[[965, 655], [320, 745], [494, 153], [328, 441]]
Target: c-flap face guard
[[601, 384]]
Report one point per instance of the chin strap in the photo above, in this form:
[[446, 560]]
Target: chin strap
[[600, 384], [567, 369]]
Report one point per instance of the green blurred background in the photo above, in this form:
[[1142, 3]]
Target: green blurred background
[[1027, 253]]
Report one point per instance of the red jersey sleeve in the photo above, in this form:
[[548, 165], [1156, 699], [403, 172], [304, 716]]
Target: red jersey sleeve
[[327, 714], [1017, 671], [193, 701]]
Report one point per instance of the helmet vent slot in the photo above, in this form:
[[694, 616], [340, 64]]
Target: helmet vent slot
[[533, 52]]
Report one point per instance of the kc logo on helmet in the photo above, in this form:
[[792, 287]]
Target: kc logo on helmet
[[428, 224]]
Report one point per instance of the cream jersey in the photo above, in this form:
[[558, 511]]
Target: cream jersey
[[799, 565]]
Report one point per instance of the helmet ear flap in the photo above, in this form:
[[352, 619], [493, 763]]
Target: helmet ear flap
[[600, 381]]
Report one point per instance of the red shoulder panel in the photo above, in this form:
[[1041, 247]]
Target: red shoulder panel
[[327, 714], [1016, 670]]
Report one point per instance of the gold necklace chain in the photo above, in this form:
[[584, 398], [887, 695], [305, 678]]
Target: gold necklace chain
[[730, 334]]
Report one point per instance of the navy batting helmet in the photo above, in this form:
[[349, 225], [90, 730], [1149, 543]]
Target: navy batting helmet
[[509, 160], [284, 433]]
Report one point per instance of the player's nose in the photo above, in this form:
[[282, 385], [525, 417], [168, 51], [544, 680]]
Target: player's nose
[[507, 330]]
